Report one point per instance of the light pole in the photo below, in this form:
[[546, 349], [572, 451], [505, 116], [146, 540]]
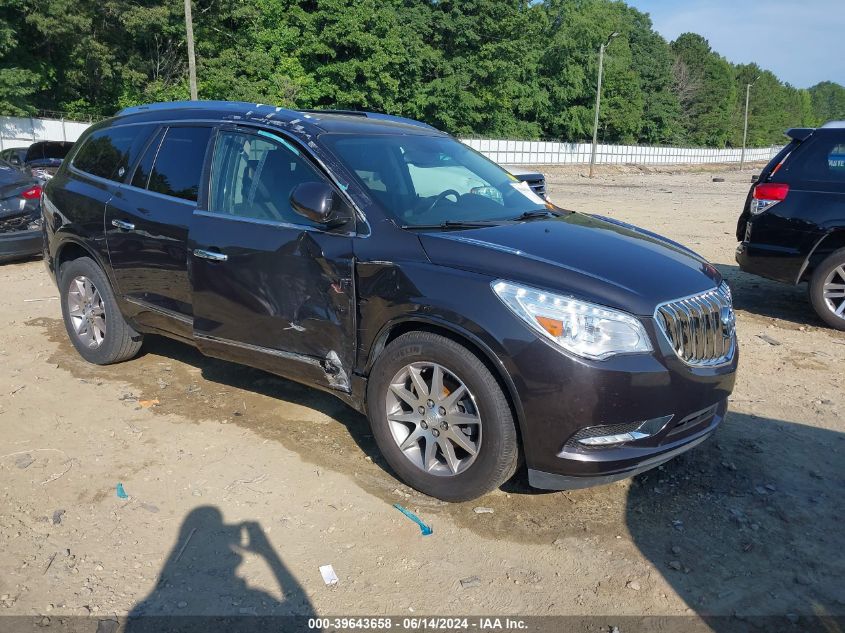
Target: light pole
[[598, 100], [745, 126], [192, 62]]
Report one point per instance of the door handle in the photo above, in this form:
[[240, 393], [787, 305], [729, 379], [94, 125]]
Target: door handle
[[212, 255], [125, 226]]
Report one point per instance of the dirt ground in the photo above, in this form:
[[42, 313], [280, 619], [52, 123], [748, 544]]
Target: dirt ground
[[240, 485]]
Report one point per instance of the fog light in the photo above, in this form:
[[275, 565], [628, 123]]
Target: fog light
[[643, 430]]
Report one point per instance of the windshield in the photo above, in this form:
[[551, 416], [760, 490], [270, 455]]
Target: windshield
[[430, 180]]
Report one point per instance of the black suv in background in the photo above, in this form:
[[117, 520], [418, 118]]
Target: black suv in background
[[792, 228], [392, 266]]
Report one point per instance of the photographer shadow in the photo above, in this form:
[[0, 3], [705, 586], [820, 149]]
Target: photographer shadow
[[199, 589], [747, 528]]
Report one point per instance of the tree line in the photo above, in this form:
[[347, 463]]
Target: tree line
[[497, 68]]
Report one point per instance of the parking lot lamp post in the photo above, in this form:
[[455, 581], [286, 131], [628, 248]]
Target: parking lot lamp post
[[598, 100], [745, 126], [192, 62]]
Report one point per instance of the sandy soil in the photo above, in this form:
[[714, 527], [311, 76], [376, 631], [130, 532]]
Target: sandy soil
[[240, 484]]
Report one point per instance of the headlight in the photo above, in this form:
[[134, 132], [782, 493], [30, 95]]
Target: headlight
[[585, 329]]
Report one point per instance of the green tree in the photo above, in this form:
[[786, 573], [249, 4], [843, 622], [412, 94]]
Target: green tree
[[828, 101], [706, 89], [508, 68], [570, 72]]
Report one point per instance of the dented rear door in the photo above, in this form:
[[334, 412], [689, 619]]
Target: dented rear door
[[270, 289]]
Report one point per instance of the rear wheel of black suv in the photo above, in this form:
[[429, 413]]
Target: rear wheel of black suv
[[440, 418], [93, 321], [827, 290]]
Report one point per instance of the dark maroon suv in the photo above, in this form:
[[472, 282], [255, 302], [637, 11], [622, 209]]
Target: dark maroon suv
[[476, 324]]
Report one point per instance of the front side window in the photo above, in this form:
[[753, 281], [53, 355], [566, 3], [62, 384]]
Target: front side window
[[424, 180], [108, 153], [253, 177], [177, 169]]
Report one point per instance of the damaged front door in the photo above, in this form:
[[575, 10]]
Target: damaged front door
[[270, 288]]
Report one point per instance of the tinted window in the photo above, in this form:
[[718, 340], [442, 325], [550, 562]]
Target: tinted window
[[253, 177], [178, 165], [109, 153], [142, 172], [824, 158]]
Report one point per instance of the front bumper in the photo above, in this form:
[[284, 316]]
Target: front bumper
[[561, 396], [19, 244], [627, 466]]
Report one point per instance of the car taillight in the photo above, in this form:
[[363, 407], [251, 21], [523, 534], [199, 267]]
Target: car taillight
[[33, 193], [766, 195]]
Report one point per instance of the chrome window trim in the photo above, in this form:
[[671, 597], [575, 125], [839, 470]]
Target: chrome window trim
[[274, 223], [218, 123]]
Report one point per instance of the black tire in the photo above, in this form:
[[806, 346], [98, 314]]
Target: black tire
[[498, 451], [121, 342], [816, 289]]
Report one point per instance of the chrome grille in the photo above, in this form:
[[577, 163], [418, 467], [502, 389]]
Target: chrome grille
[[700, 328], [538, 187]]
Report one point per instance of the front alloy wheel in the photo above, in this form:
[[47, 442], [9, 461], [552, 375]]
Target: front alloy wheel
[[433, 419], [440, 417]]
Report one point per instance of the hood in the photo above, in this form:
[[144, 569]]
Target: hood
[[604, 261]]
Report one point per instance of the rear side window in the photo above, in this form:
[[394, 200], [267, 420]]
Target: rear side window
[[109, 153], [823, 159], [177, 169], [142, 172]]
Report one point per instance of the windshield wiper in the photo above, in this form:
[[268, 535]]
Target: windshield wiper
[[537, 213], [455, 224]]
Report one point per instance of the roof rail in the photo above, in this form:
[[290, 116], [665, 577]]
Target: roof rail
[[379, 116], [201, 105]]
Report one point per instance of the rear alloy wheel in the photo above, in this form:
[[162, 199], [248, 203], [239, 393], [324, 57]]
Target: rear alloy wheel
[[93, 321], [86, 312], [440, 418], [827, 290]]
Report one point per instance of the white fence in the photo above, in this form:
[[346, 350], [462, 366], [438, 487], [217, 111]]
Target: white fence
[[22, 131], [554, 153]]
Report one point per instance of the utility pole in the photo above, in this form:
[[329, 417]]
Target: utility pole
[[745, 126], [598, 101], [192, 61]]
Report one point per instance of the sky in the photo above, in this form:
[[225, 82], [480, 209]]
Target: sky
[[803, 42]]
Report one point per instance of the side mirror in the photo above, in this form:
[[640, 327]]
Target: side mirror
[[319, 202]]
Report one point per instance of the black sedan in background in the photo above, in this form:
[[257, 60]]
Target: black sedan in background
[[20, 214], [41, 160]]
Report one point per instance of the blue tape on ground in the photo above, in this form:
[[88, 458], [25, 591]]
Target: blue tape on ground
[[426, 530]]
